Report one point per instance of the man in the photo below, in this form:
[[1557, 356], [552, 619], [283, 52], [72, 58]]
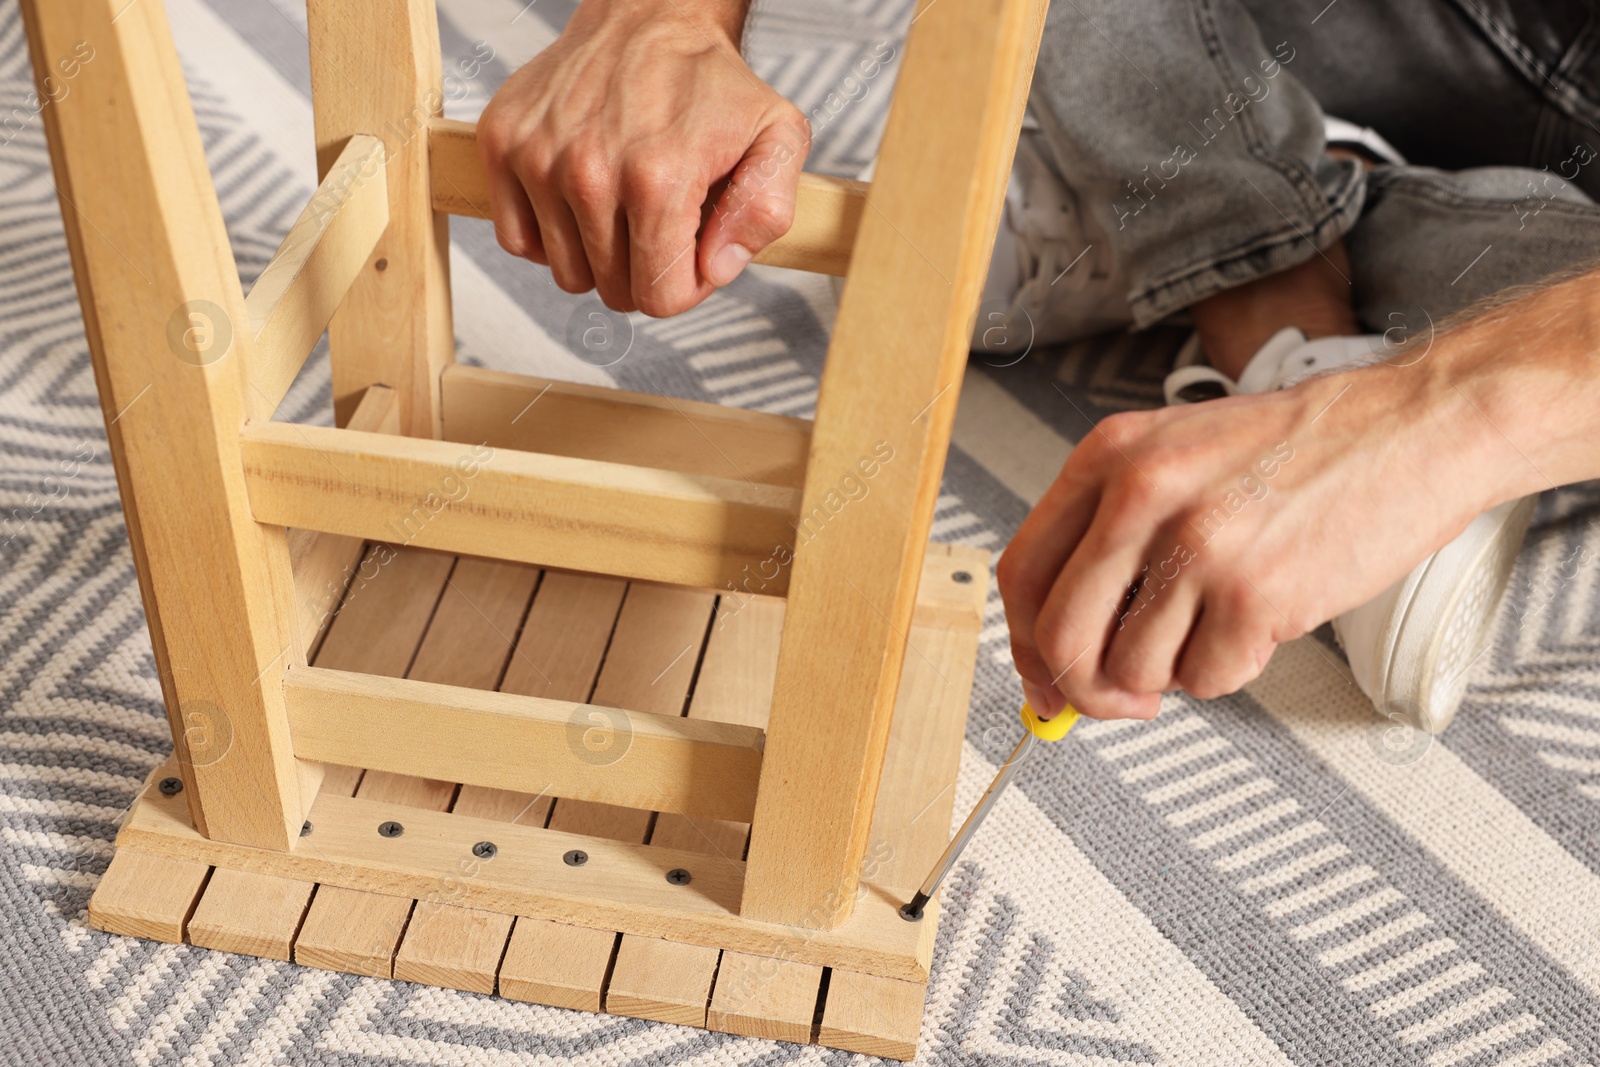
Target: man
[[1213, 160]]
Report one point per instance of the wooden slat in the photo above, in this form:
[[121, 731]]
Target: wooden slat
[[758, 996], [549, 510], [888, 394], [529, 414], [375, 69], [530, 744], [872, 1014], [556, 964], [559, 656], [649, 666], [754, 995], [469, 642], [378, 630], [165, 322], [253, 914], [146, 896], [661, 980], [306, 280], [324, 564], [827, 210]]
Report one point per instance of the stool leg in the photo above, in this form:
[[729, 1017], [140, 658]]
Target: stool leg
[[165, 319], [883, 423], [375, 69]]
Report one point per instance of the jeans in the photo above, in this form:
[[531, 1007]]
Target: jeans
[[1191, 133]]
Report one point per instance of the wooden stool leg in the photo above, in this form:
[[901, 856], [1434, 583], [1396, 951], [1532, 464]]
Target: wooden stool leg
[[169, 337], [375, 69], [883, 423]]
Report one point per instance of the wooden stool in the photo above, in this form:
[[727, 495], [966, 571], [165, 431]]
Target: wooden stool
[[580, 696]]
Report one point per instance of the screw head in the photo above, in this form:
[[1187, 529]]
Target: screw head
[[678, 876], [484, 850], [961, 577], [382, 264], [305, 828], [390, 829], [910, 916], [170, 787], [576, 858]]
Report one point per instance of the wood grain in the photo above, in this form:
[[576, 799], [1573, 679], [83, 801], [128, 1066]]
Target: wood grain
[[555, 511], [378, 630], [169, 343], [529, 744], [306, 280], [888, 394], [874, 1014], [529, 414], [146, 896], [323, 563], [375, 69]]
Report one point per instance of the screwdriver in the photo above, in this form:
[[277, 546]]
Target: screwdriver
[[1038, 730]]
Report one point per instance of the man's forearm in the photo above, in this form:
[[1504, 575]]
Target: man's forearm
[[726, 15], [1529, 369]]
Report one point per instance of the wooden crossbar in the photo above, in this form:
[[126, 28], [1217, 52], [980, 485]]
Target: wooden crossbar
[[295, 297], [827, 211], [557, 511], [635, 759], [532, 414]]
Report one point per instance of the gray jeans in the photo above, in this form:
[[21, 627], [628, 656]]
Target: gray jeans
[[1191, 132]]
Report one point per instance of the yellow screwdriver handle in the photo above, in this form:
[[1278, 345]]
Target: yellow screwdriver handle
[[1049, 729]]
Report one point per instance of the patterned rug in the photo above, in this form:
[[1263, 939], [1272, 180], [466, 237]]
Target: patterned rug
[[1253, 880]]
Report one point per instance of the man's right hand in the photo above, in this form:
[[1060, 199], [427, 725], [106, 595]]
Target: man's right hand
[[601, 151]]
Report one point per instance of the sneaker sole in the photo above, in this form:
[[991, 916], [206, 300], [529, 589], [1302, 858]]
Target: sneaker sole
[[1440, 617]]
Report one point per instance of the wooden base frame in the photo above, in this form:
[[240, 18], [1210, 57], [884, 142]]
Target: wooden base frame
[[612, 934]]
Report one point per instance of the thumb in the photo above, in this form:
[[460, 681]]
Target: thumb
[[757, 206]]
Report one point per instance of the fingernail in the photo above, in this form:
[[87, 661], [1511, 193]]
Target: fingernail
[[1043, 702], [727, 263]]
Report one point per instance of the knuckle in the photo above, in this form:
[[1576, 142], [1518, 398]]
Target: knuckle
[[532, 163], [1122, 429], [651, 178], [497, 131], [769, 216], [586, 177]]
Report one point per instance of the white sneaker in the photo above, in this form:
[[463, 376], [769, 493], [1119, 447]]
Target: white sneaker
[[1051, 278], [1412, 647]]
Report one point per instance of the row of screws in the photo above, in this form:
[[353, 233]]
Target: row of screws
[[484, 850]]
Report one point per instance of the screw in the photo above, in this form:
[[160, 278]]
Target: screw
[[382, 264], [305, 828], [961, 577], [171, 787], [910, 916], [678, 876], [484, 850], [575, 858], [390, 829]]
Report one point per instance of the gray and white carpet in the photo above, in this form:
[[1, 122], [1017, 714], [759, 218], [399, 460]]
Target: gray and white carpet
[[1253, 880]]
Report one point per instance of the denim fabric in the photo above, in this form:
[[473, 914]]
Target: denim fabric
[[1191, 132]]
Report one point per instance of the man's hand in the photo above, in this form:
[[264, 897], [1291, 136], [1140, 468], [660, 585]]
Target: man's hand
[[1179, 546], [601, 151]]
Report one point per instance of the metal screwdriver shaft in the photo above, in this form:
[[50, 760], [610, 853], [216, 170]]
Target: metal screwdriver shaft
[[1038, 729]]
